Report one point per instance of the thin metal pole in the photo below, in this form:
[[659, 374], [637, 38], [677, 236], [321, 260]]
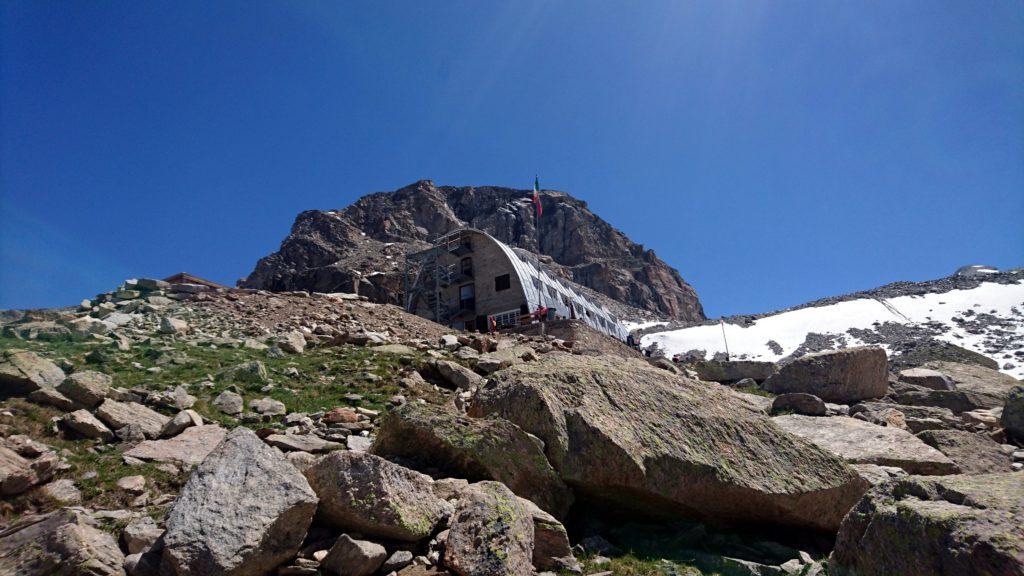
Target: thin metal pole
[[721, 322], [437, 289]]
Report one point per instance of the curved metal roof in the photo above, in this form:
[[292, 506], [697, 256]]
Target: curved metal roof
[[537, 285]]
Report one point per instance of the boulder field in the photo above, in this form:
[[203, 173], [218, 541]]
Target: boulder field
[[168, 430]]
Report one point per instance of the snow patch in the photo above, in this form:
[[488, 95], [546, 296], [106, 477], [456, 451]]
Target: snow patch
[[947, 311]]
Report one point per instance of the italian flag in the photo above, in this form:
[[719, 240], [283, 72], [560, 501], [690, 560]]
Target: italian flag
[[536, 196]]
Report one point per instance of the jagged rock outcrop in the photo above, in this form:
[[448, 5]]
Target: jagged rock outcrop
[[361, 248], [636, 437]]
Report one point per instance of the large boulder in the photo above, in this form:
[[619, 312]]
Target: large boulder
[[244, 510], [66, 542], [251, 372], [87, 388], [635, 437], [972, 453], [845, 375], [732, 371], [935, 526], [349, 557], [458, 375], [473, 448], [16, 473], [860, 442], [491, 533], [187, 449], [799, 403], [117, 415], [1013, 414], [927, 378], [956, 401], [975, 387], [23, 372], [551, 547], [83, 423], [364, 493]]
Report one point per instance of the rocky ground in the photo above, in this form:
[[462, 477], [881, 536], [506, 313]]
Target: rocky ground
[[179, 430]]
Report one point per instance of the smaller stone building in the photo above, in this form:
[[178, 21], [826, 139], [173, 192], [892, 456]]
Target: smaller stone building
[[472, 281]]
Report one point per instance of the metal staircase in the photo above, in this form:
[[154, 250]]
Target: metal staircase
[[429, 275]]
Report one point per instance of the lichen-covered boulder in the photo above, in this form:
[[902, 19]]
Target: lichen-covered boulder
[[244, 510], [973, 453], [491, 533], [640, 438], [364, 493], [551, 547], [251, 372], [473, 448], [23, 372], [935, 526], [845, 375], [66, 542]]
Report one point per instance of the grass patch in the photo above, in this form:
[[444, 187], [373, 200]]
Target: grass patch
[[632, 565], [754, 390]]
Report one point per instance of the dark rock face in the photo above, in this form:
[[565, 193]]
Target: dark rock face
[[1013, 413], [362, 247]]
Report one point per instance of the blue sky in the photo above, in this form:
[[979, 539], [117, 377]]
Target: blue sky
[[774, 152]]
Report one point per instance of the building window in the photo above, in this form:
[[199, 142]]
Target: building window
[[466, 266], [503, 282], [506, 319], [467, 297]]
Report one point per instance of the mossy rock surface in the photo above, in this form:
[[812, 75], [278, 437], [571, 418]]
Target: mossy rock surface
[[950, 525], [489, 448]]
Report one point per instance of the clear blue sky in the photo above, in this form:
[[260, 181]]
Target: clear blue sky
[[774, 152]]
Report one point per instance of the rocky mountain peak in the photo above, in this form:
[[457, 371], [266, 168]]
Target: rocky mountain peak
[[362, 246]]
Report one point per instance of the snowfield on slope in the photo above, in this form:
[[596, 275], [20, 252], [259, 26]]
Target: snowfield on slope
[[988, 319]]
